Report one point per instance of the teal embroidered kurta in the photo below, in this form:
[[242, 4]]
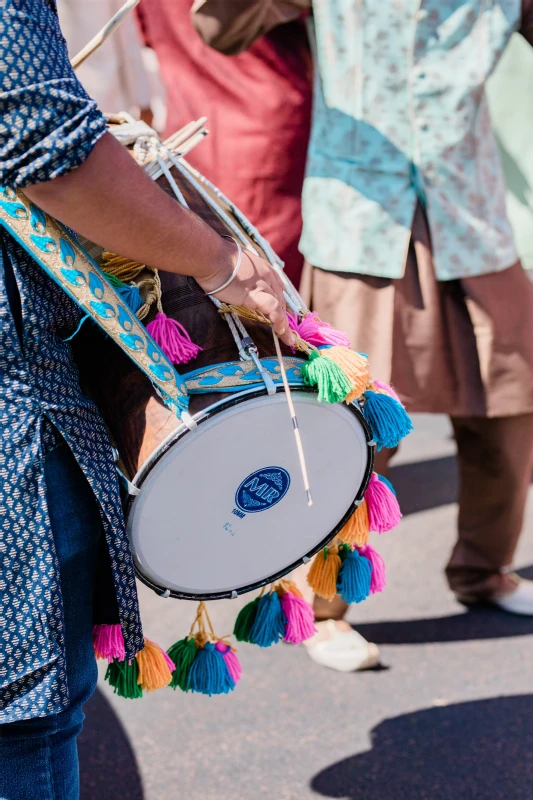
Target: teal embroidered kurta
[[400, 117]]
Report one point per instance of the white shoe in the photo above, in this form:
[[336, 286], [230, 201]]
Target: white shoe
[[520, 601], [343, 650]]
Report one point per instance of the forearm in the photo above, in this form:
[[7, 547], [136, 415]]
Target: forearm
[[112, 202]]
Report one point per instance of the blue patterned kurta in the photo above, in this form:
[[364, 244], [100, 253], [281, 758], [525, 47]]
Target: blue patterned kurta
[[48, 126]]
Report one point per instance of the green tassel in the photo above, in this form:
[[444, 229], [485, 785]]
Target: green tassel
[[182, 654], [122, 676], [245, 620], [114, 281], [324, 373]]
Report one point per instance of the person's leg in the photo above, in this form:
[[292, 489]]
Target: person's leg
[[495, 458], [39, 756]]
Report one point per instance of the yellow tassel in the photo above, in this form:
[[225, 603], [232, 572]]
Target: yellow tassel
[[354, 366], [154, 670], [322, 577], [357, 528]]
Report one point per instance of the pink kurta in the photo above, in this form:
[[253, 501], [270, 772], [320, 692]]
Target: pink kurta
[[258, 104]]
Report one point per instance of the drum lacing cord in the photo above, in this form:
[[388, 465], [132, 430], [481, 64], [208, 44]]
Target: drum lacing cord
[[155, 149], [295, 302], [256, 316]]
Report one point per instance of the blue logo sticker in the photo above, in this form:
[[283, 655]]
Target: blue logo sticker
[[262, 489]]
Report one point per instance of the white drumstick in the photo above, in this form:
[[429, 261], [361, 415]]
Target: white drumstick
[[102, 35], [294, 418]]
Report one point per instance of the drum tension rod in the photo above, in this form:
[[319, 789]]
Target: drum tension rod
[[250, 348]]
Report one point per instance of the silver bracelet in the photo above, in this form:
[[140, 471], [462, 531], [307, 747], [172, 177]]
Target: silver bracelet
[[235, 271]]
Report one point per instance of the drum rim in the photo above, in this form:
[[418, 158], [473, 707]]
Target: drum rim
[[203, 416]]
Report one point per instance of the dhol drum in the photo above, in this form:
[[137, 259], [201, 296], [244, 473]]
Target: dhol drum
[[221, 509]]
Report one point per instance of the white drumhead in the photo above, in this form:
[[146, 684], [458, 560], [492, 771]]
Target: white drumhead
[[224, 508]]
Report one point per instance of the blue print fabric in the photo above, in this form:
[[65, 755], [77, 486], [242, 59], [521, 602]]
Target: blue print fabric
[[48, 126]]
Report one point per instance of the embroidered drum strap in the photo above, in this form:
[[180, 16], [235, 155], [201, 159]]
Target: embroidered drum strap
[[61, 256]]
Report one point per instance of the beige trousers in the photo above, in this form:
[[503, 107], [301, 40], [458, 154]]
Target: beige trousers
[[462, 348]]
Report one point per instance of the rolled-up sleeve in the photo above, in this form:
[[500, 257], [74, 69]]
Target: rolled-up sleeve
[[48, 123]]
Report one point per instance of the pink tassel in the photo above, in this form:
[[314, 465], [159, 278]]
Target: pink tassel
[[386, 388], [172, 338], [377, 579], [232, 662], [314, 331], [300, 618], [108, 642], [383, 509]]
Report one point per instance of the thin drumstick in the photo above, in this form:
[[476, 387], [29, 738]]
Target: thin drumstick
[[294, 418], [103, 34]]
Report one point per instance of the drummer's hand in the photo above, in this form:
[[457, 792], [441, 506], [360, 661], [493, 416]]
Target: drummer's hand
[[256, 286]]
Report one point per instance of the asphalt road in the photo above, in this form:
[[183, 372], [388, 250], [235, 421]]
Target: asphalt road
[[447, 717]]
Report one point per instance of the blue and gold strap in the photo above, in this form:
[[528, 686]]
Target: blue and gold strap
[[61, 257]]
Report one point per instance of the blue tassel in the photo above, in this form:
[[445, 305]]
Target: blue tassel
[[208, 673], [131, 296], [270, 621], [388, 420], [387, 483], [353, 583]]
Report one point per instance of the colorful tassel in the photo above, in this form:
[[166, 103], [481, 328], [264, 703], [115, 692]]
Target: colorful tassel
[[182, 653], [386, 481], [324, 572], [232, 662], [155, 667], [208, 673], [300, 618], [355, 368], [131, 296], [377, 580], [388, 390], [245, 621], [287, 586], [329, 378], [383, 508], [108, 642], [388, 420], [123, 677], [355, 576], [270, 621], [172, 338], [315, 332], [356, 530]]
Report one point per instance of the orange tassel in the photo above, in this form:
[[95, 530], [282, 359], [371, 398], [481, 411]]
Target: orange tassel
[[322, 577], [356, 530], [354, 366], [154, 667]]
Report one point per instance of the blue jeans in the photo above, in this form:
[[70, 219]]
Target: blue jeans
[[39, 757]]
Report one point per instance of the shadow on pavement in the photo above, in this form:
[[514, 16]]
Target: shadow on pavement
[[477, 623], [480, 749], [423, 485], [483, 622], [108, 768]]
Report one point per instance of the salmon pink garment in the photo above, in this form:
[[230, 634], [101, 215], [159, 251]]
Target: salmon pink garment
[[258, 106]]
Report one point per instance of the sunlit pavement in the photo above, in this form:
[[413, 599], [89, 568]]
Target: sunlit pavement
[[448, 716]]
